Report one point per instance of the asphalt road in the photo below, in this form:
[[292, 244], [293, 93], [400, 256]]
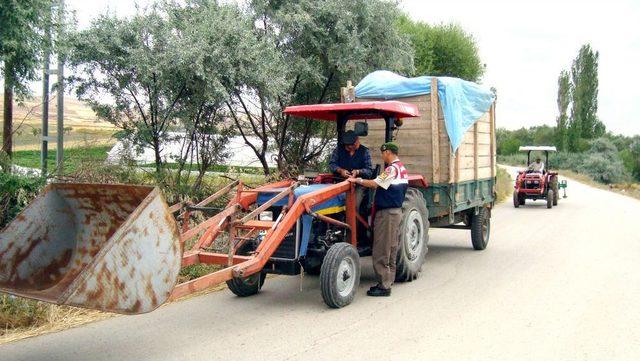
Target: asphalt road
[[561, 284]]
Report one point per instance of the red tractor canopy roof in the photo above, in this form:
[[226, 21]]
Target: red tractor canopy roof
[[358, 110]]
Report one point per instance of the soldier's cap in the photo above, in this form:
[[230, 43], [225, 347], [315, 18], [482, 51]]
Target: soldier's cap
[[349, 137], [389, 146]]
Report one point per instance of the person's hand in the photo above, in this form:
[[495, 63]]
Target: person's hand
[[355, 173], [353, 180], [344, 173]]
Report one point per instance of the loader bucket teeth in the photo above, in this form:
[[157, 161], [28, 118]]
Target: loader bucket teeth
[[113, 248]]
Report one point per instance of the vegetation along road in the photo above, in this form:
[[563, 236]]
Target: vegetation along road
[[557, 283]]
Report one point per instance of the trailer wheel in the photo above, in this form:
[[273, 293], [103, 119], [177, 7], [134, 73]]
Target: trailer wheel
[[340, 275], [247, 286], [413, 236], [480, 229], [550, 198]]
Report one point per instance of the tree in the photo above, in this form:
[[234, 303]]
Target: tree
[[584, 122], [443, 50], [563, 100], [169, 67], [21, 45], [322, 44]]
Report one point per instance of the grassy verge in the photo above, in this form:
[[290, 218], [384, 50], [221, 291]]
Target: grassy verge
[[504, 185], [73, 157]]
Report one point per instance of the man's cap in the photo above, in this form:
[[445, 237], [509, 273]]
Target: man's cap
[[389, 146], [349, 137]]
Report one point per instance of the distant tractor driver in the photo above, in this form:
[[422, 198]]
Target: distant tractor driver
[[537, 166]]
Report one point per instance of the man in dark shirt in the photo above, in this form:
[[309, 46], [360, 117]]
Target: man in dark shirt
[[351, 159]]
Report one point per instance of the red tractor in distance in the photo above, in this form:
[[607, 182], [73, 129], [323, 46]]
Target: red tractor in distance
[[537, 182]]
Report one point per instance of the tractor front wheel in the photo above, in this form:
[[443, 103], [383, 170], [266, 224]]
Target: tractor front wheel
[[340, 275], [516, 199], [480, 229], [550, 197], [247, 286]]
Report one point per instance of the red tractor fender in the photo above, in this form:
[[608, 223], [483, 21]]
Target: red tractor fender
[[417, 181]]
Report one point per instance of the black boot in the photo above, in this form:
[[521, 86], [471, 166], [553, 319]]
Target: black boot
[[377, 291]]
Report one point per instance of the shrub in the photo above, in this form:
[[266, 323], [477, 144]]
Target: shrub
[[603, 168], [16, 192]]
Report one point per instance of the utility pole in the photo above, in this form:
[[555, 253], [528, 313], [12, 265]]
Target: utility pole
[[60, 140], [45, 98]]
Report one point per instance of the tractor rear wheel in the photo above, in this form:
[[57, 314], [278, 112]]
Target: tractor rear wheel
[[550, 196], [481, 229], [340, 275], [247, 286], [413, 236]]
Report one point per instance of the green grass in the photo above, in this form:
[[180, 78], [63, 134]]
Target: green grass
[[221, 168], [72, 157], [504, 185]]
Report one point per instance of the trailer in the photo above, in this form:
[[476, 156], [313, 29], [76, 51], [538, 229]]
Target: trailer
[[119, 248]]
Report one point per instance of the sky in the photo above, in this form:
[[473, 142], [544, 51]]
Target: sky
[[525, 45]]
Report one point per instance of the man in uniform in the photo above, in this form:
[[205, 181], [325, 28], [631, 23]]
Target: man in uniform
[[391, 187]]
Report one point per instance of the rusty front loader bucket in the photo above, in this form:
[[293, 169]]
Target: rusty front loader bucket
[[107, 247]]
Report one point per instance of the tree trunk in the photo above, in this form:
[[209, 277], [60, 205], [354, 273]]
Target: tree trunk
[[265, 165], [8, 116], [156, 151]]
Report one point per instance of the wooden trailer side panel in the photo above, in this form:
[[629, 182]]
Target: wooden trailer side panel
[[475, 159], [415, 141]]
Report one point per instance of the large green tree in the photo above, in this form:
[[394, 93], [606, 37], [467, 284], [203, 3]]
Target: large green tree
[[563, 101], [322, 45], [21, 45], [169, 67], [444, 49], [584, 122]]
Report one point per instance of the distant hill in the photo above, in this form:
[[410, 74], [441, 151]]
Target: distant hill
[[76, 113], [83, 126]]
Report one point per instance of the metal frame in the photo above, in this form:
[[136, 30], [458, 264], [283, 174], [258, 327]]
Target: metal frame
[[229, 220]]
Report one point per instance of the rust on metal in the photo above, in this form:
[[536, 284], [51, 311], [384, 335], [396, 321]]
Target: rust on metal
[[76, 244], [119, 248]]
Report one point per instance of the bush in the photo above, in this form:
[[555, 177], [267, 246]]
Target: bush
[[603, 168], [18, 312], [16, 192]]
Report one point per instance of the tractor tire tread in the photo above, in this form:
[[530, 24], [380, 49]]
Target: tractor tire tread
[[328, 271], [477, 236], [405, 271]]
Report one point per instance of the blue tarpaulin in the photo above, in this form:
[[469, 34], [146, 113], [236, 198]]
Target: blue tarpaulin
[[463, 102]]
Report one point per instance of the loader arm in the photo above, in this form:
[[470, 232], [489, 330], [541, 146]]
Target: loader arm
[[244, 266]]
